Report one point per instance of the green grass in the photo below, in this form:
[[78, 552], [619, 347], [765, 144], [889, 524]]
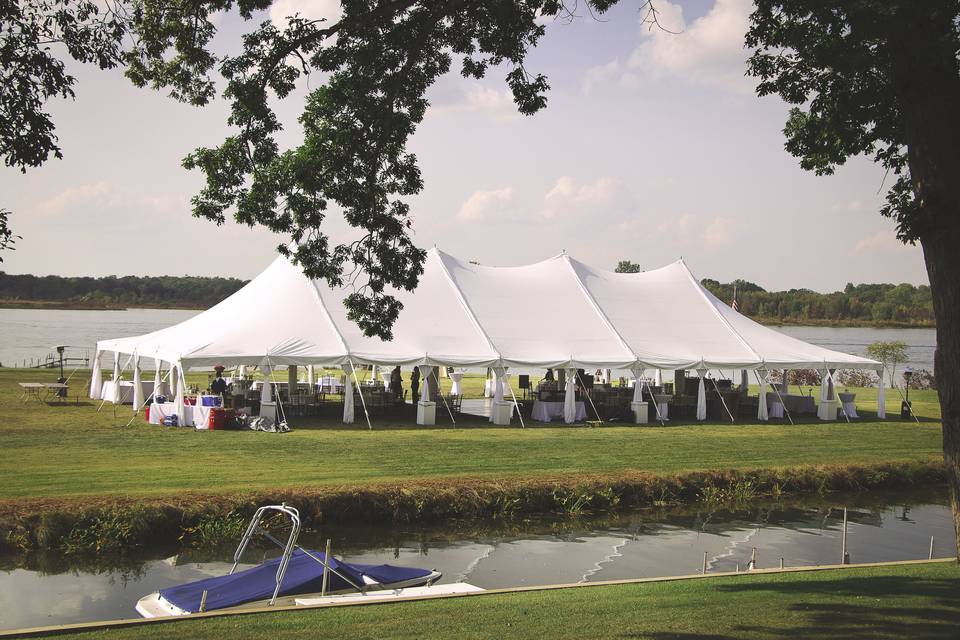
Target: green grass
[[914, 601], [62, 451]]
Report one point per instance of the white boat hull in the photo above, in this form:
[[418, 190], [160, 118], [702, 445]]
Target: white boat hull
[[155, 606]]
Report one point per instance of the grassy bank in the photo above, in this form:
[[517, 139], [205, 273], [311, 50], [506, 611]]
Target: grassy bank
[[77, 477], [916, 601]]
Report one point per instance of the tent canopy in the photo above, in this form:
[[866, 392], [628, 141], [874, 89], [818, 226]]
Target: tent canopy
[[556, 313]]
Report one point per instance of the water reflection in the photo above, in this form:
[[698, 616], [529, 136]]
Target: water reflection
[[51, 589]]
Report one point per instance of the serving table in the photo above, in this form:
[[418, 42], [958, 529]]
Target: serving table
[[547, 411]]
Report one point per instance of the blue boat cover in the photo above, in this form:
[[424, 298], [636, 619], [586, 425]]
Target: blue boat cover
[[304, 575]]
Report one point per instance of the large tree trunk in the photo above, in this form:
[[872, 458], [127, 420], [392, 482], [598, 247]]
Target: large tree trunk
[[926, 80]]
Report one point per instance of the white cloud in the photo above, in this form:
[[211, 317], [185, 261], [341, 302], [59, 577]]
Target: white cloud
[[485, 204], [496, 104], [679, 226], [880, 242], [718, 233], [567, 195], [853, 205], [600, 75], [102, 196], [708, 52], [280, 10]]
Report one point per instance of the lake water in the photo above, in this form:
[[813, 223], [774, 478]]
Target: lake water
[[51, 589], [30, 333]]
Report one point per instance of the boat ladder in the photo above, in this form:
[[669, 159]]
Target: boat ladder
[[288, 547]]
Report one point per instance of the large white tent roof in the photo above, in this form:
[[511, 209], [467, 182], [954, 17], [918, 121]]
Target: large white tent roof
[[555, 313]]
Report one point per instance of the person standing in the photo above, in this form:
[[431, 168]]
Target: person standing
[[415, 385], [396, 383]]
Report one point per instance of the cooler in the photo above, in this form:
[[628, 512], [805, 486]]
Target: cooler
[[221, 418]]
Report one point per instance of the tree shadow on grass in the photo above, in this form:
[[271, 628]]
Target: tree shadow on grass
[[856, 607]]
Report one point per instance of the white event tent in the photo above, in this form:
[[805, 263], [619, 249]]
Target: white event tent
[[559, 313]]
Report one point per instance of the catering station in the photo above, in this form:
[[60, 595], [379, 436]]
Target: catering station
[[559, 314]]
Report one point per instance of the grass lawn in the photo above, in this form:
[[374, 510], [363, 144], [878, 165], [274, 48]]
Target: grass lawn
[[915, 601], [69, 450]]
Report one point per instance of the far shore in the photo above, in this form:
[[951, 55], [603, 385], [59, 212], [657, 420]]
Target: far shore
[[772, 322]]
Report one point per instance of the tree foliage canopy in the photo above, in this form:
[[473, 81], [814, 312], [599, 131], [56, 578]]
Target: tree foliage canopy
[[849, 65], [377, 60], [626, 266]]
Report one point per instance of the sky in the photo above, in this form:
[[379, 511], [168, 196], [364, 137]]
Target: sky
[[653, 147]]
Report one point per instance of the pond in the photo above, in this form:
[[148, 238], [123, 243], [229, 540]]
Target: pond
[[45, 589]]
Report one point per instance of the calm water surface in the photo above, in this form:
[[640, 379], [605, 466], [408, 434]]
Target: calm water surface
[[29, 333], [51, 589]]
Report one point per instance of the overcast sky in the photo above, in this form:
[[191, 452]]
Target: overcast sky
[[653, 147]]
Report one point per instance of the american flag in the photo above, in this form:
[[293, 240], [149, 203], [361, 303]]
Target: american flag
[[734, 305]]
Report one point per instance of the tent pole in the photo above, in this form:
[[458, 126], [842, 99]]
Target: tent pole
[[353, 370], [720, 395], [119, 378]]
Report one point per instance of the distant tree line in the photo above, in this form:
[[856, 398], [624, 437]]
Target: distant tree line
[[904, 304], [186, 292]]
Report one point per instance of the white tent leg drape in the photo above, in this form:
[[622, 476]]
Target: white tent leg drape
[[179, 402], [823, 410], [785, 383], [292, 379], [881, 397], [311, 377], [744, 380], [701, 396], [426, 374], [156, 379], [637, 385], [570, 398], [499, 374], [266, 391], [137, 388], [348, 394], [658, 378], [762, 414], [96, 378], [242, 370], [115, 397]]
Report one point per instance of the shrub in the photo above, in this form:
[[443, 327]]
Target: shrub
[[857, 378], [923, 379], [809, 377]]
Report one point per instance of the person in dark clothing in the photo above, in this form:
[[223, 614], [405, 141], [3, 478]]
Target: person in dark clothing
[[415, 385], [219, 385], [396, 383], [548, 375]]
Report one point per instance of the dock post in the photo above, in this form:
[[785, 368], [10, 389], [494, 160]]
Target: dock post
[[326, 570], [845, 558], [753, 560], [203, 601], [704, 570], [930, 556]]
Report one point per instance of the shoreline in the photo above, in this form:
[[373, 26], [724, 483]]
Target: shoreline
[[55, 305], [109, 524]]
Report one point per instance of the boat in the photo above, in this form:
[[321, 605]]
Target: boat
[[298, 577]]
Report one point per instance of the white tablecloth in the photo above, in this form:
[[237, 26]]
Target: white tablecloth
[[849, 404], [158, 411], [546, 411]]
